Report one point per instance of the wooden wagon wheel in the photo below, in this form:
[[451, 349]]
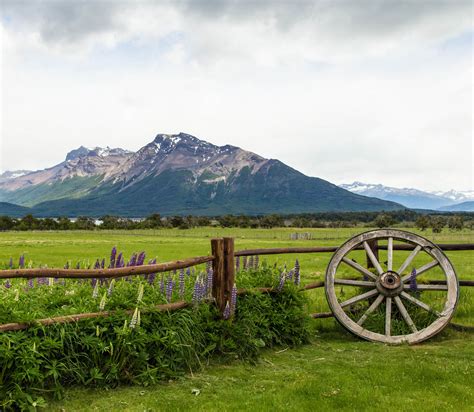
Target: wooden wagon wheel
[[387, 294]]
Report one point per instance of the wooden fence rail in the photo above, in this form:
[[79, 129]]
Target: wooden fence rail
[[104, 273], [332, 249]]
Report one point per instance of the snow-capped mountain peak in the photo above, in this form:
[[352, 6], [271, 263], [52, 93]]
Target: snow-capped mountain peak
[[410, 197], [456, 195], [83, 151], [13, 174]]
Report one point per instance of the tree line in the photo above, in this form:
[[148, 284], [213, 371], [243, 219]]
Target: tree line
[[308, 220]]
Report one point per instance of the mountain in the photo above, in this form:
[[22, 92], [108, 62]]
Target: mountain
[[456, 195], [460, 207], [80, 173], [5, 176], [412, 198], [9, 209], [178, 174]]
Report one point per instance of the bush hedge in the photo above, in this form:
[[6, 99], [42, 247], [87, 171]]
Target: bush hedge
[[39, 362]]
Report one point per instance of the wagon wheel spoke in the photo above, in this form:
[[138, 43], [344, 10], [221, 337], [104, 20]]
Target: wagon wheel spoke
[[358, 298], [388, 316], [359, 268], [419, 303], [351, 282], [372, 307], [405, 314], [372, 258], [421, 270], [409, 259], [427, 287], [390, 254]]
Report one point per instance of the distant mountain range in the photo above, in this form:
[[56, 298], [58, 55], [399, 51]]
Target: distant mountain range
[[460, 207], [416, 199], [175, 174]]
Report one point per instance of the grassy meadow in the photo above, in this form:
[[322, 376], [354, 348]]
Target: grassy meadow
[[336, 371]]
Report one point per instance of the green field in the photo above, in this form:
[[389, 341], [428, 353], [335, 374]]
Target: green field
[[336, 371]]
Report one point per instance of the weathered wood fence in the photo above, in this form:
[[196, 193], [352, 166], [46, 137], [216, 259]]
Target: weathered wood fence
[[223, 264]]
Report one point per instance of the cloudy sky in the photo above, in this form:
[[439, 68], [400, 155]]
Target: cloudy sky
[[369, 90]]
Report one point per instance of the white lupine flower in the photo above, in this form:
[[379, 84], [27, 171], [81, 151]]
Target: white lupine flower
[[134, 320], [103, 301], [95, 292], [140, 294]]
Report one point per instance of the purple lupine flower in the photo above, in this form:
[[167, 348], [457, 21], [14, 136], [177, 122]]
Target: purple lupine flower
[[119, 261], [233, 300], [226, 314], [140, 259], [413, 284], [210, 279], [297, 273], [102, 264], [237, 264], [133, 260], [8, 284], [244, 261], [169, 289], [97, 264], [203, 285], [113, 255], [257, 261], [10, 264], [66, 266], [290, 274], [250, 262], [21, 262], [93, 282], [31, 283], [196, 292], [282, 281], [78, 265], [181, 283], [162, 285], [188, 272], [208, 265], [203, 288], [151, 277]]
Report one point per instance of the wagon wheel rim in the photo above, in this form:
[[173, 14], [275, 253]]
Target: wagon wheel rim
[[390, 285]]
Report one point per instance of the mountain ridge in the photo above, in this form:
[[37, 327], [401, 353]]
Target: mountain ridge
[[178, 174], [410, 197]]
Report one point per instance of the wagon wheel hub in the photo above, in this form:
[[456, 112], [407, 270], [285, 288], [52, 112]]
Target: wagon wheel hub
[[389, 284]]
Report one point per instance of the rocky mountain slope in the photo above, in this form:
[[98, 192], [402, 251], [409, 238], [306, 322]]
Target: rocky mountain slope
[[177, 174]]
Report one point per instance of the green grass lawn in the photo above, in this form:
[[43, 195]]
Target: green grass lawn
[[336, 371]]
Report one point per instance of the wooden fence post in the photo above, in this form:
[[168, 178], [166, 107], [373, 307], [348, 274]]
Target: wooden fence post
[[229, 267], [223, 267], [218, 287], [374, 246]]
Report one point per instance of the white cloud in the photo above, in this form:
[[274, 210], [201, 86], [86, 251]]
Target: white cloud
[[376, 93]]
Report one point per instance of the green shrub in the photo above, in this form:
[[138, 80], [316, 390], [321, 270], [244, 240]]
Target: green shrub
[[37, 363]]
